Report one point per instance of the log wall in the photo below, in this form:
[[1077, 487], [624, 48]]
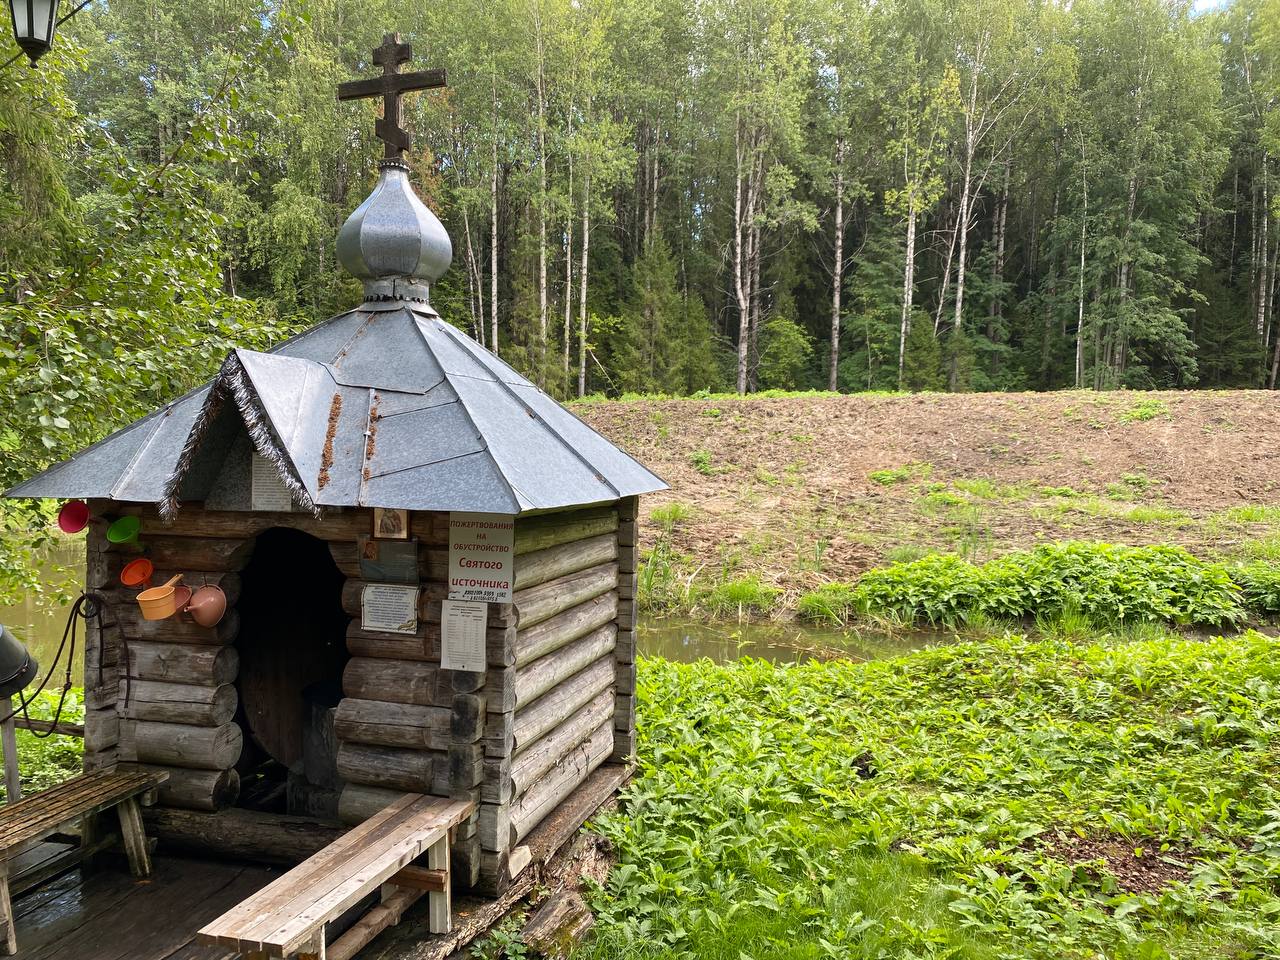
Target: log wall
[[557, 725], [166, 696], [555, 701]]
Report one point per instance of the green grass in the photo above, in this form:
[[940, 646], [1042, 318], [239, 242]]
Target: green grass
[[46, 761], [669, 515], [833, 604], [741, 597], [913, 808], [1148, 408], [893, 475], [1254, 513], [1157, 515]]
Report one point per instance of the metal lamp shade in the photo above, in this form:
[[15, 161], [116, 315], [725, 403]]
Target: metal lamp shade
[[17, 667], [34, 22]]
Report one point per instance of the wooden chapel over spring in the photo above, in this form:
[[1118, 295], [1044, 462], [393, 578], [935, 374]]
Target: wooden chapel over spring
[[428, 566]]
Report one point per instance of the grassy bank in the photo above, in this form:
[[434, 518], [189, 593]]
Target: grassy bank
[[1005, 798], [1053, 587], [773, 497]]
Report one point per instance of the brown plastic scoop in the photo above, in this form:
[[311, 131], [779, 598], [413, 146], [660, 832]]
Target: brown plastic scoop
[[159, 602]]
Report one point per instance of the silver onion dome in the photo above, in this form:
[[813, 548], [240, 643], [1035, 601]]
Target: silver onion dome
[[392, 241]]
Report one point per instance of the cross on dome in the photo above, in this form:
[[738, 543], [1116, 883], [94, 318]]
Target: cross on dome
[[391, 86]]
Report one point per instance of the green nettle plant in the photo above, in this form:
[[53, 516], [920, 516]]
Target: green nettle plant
[[1105, 584], [1007, 798]]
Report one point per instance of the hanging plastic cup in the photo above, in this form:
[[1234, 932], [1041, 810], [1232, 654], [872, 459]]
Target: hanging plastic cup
[[136, 574], [73, 517], [124, 531]]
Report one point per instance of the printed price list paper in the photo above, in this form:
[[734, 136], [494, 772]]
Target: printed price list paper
[[462, 630]]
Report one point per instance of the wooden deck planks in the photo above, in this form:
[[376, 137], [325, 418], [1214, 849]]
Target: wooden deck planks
[[109, 916]]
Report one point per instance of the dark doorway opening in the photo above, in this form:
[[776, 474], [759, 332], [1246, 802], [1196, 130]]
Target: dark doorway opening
[[292, 647]]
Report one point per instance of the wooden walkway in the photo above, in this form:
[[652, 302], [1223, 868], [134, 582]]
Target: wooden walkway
[[111, 916]]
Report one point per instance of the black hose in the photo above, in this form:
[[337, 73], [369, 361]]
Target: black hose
[[88, 606]]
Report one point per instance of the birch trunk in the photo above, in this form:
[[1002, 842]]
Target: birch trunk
[[568, 278], [475, 281], [946, 281], [1263, 248], [908, 291], [997, 266], [739, 280], [582, 280], [542, 203], [837, 273], [1084, 224], [493, 241], [962, 247]]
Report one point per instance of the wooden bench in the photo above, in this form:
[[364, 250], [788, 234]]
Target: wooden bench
[[288, 917], [27, 822]]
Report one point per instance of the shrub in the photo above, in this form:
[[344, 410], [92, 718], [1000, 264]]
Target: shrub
[[1104, 584], [701, 460], [1260, 584], [1146, 409]]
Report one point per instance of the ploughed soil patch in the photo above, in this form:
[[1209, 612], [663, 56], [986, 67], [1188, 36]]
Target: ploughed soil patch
[[1136, 868], [795, 491]]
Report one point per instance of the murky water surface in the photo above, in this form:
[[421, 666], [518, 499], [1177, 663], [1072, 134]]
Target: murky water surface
[[689, 640], [39, 621]]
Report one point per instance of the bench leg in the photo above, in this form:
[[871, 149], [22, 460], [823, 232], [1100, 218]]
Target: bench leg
[[8, 936], [314, 950], [439, 919], [135, 838]]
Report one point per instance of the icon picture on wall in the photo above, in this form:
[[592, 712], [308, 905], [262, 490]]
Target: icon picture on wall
[[390, 524]]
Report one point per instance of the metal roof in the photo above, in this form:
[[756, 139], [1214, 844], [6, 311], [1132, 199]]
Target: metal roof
[[384, 406]]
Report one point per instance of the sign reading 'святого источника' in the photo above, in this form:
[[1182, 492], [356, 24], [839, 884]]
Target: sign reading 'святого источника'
[[481, 556]]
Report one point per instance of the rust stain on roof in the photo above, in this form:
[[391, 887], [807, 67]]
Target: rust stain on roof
[[326, 456]]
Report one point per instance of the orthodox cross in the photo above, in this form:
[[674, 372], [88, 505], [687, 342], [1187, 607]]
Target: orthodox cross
[[390, 86]]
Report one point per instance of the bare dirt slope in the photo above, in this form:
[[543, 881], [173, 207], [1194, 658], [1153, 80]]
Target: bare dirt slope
[[801, 490]]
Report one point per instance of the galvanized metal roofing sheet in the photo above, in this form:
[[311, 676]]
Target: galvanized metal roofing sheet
[[129, 465], [385, 406]]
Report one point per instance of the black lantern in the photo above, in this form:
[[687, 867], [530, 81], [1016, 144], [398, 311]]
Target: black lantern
[[17, 667], [33, 24]]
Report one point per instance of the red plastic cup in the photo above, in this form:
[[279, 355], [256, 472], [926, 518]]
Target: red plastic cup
[[73, 517]]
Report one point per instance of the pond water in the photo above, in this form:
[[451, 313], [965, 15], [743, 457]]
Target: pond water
[[687, 640], [39, 619]]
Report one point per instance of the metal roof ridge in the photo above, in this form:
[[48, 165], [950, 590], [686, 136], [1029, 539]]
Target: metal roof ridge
[[519, 500], [537, 418]]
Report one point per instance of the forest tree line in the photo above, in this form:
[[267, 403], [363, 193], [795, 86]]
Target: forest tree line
[[657, 196]]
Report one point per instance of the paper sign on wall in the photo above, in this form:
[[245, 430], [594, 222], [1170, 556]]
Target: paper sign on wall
[[389, 608], [481, 556], [462, 629], [266, 490]]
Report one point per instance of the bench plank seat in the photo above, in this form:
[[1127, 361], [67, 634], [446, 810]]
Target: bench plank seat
[[288, 917], [41, 814], [27, 822]]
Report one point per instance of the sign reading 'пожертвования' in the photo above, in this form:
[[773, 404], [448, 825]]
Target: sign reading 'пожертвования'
[[481, 556]]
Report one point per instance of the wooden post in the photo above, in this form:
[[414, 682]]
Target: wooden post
[[438, 918], [9, 743], [135, 838]]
